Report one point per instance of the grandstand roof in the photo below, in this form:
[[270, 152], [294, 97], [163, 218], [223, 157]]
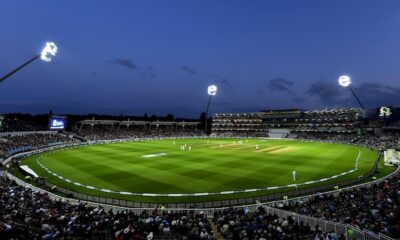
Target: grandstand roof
[[128, 122], [98, 122], [281, 110], [133, 122]]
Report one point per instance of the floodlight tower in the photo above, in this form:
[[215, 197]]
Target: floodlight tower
[[48, 52], [212, 91], [345, 81]]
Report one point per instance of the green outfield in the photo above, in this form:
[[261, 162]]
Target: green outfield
[[204, 166]]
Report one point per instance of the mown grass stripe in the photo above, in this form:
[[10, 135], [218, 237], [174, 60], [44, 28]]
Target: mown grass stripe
[[119, 167]]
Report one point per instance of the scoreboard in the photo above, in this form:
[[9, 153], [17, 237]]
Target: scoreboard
[[385, 112], [57, 123]]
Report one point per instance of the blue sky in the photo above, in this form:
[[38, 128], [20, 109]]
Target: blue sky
[[158, 57]]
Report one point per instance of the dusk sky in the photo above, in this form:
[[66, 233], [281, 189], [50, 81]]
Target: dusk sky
[[158, 57]]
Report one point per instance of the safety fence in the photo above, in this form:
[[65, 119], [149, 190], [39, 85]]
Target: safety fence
[[269, 197], [333, 192], [289, 191], [208, 208], [80, 144], [349, 231], [273, 200], [22, 133], [278, 196]]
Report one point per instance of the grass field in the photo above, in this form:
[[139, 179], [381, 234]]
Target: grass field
[[214, 165]]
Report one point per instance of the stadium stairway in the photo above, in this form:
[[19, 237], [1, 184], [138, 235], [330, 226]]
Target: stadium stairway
[[167, 237], [218, 235], [75, 136]]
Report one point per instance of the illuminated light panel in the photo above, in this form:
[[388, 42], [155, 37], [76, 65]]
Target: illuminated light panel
[[48, 52], [344, 81], [212, 90]]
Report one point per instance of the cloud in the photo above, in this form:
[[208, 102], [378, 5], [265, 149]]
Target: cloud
[[374, 94], [298, 99], [151, 72], [219, 81], [222, 103], [328, 93], [280, 84], [147, 72], [371, 94], [245, 109], [223, 82], [124, 62], [277, 85], [376, 90], [188, 70]]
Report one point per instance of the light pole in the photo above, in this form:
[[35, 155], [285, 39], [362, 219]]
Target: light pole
[[345, 81], [49, 51], [212, 91]]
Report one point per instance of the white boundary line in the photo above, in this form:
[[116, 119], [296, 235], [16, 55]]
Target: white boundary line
[[197, 194]]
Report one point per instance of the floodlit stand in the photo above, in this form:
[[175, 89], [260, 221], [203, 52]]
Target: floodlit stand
[[18, 68], [355, 96], [49, 51], [208, 106], [345, 81], [212, 91]]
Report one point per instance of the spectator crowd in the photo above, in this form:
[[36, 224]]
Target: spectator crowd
[[104, 132], [386, 141], [241, 223], [26, 214], [17, 125], [11, 144], [375, 207]]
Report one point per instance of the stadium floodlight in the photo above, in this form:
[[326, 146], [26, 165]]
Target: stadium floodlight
[[48, 52], [212, 91], [345, 81]]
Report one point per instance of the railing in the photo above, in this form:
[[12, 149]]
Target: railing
[[209, 208], [248, 202], [349, 231], [272, 197], [22, 133], [335, 192], [75, 144], [195, 204], [213, 204]]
